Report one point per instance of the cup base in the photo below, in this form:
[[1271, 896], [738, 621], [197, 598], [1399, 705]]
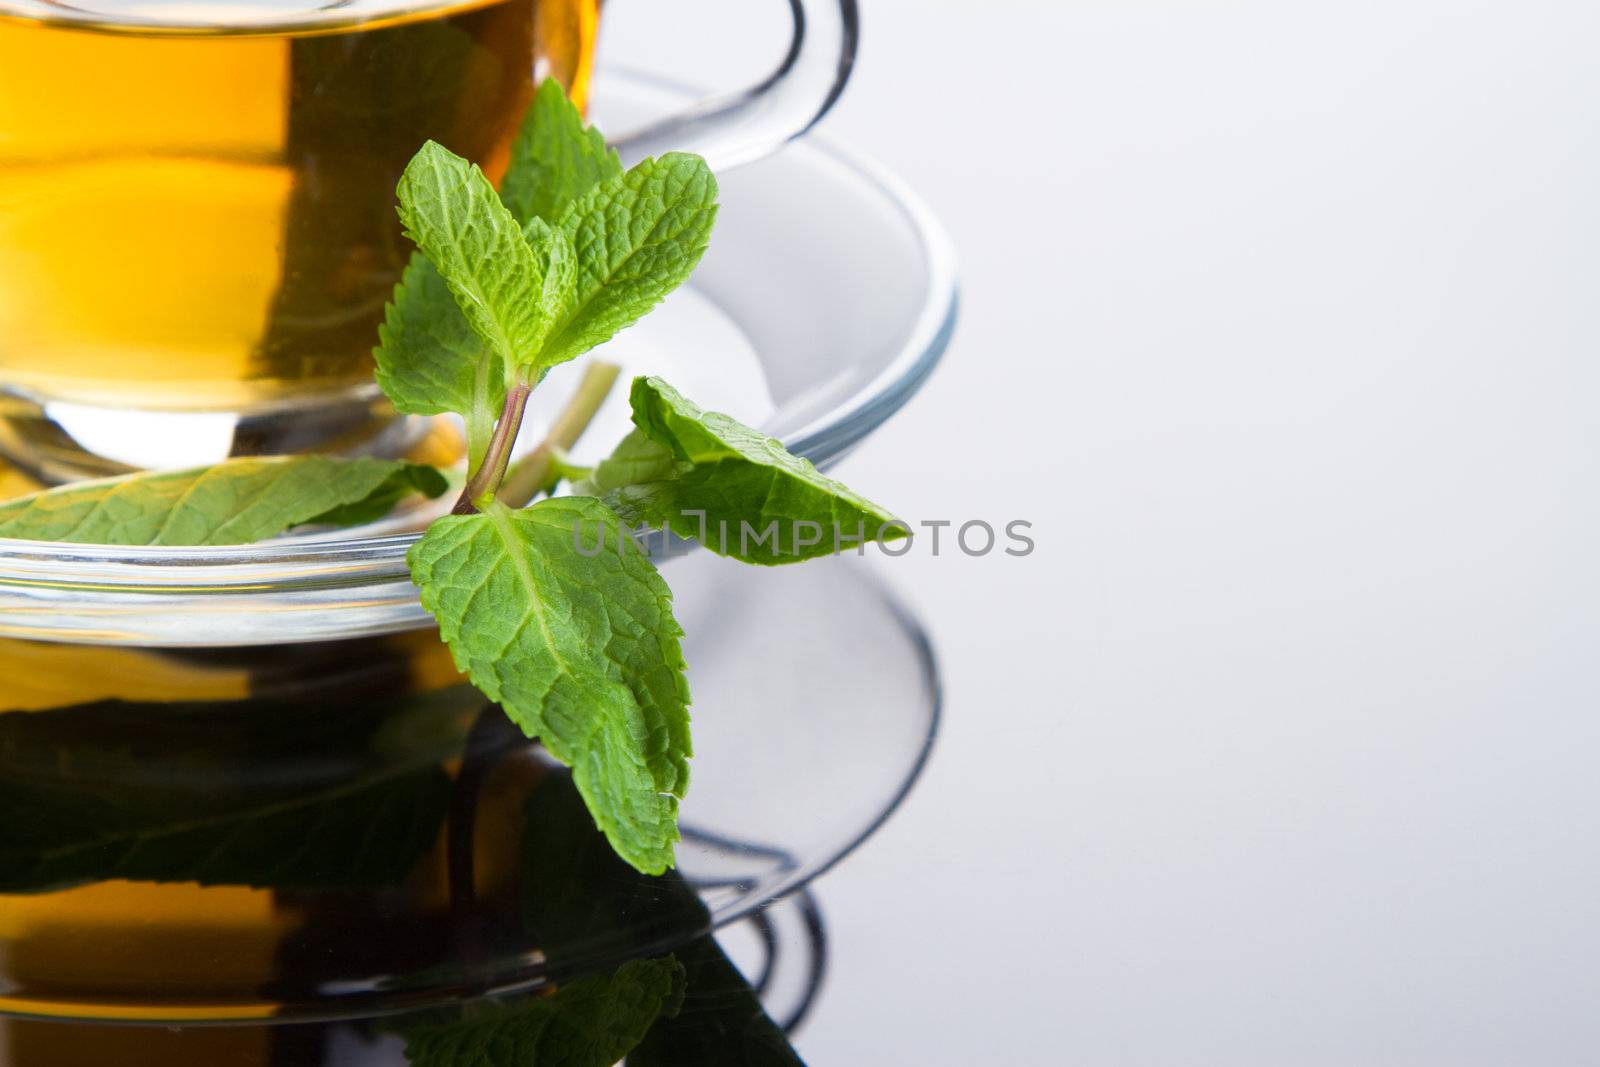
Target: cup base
[[53, 443]]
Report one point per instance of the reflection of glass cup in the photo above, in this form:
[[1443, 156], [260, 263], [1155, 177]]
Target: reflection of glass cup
[[208, 812], [197, 200], [341, 828]]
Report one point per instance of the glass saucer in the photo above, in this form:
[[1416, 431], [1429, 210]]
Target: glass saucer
[[293, 844]]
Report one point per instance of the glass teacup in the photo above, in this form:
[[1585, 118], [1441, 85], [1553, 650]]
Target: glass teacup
[[197, 226]]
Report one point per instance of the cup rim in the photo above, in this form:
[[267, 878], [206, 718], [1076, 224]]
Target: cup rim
[[328, 18]]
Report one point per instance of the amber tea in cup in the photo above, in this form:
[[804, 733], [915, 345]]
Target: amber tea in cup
[[202, 220]]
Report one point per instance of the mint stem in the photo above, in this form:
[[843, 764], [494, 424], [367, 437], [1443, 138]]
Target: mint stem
[[533, 473], [481, 488]]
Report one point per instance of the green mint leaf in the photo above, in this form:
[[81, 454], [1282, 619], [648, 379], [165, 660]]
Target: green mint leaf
[[555, 158], [637, 236], [236, 502], [582, 652], [511, 284], [559, 289], [182, 792], [430, 359], [592, 1022], [410, 479], [637, 459], [741, 493]]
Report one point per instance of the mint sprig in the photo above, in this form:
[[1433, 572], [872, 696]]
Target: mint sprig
[[535, 295], [429, 358], [552, 610]]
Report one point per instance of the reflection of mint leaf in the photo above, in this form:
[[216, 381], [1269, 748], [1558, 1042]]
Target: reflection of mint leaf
[[584, 907], [638, 237], [554, 159], [720, 1023], [582, 652], [276, 794], [511, 284], [740, 492], [232, 503], [592, 1022]]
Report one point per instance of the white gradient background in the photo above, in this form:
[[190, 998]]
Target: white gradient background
[[1281, 324]]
